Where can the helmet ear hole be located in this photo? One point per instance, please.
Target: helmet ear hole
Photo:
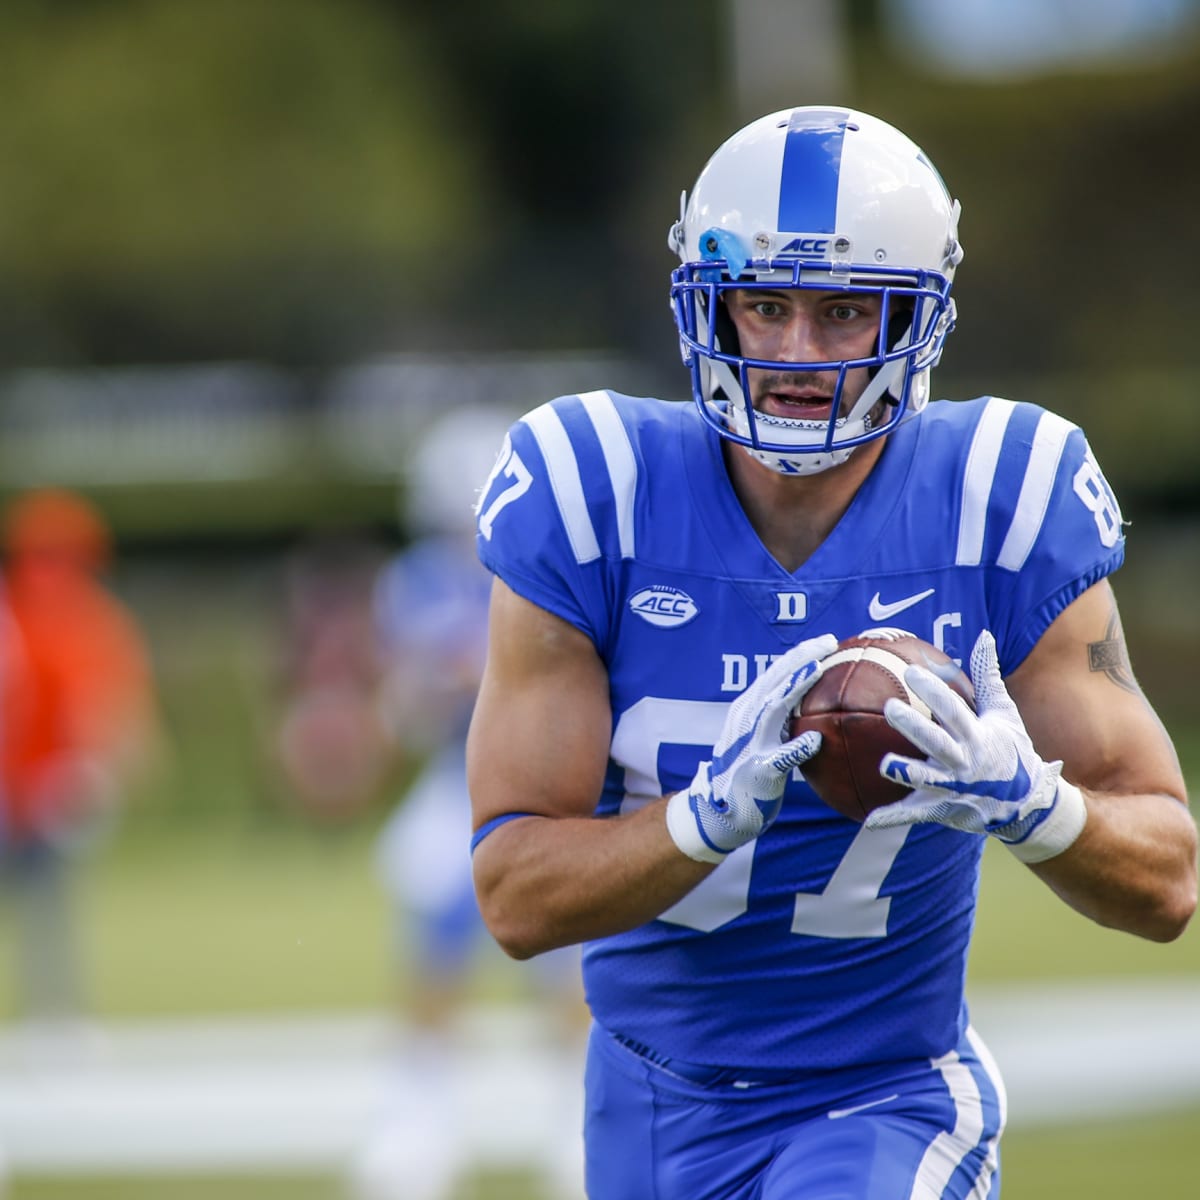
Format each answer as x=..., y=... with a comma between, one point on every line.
x=727, y=334
x=899, y=323
x=727, y=343
x=899, y=329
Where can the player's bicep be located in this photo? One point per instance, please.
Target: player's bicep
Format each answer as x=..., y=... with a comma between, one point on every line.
x=1081, y=703
x=541, y=730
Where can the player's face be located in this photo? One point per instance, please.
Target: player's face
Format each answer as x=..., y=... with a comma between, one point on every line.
x=804, y=326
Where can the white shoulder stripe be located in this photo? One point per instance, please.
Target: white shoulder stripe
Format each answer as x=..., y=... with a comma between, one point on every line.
x=978, y=479
x=565, y=482
x=620, y=460
x=1048, y=441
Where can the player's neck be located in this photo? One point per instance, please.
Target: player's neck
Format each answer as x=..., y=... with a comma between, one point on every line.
x=794, y=514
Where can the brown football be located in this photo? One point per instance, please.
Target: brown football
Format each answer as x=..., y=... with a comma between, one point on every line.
x=846, y=707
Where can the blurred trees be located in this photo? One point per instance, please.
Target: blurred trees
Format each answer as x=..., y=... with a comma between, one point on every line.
x=307, y=181
x=231, y=178
x=301, y=179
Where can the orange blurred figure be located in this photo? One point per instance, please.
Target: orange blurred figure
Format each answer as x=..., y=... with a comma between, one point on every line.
x=78, y=717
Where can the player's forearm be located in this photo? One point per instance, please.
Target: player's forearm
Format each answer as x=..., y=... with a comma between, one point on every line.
x=1132, y=868
x=546, y=882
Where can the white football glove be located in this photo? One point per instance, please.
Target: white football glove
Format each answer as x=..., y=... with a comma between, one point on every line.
x=733, y=798
x=982, y=774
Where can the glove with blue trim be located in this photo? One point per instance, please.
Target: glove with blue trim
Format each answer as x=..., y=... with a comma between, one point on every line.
x=737, y=795
x=982, y=774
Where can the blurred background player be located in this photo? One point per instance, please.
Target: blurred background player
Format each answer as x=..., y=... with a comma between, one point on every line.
x=431, y=606
x=79, y=725
x=330, y=743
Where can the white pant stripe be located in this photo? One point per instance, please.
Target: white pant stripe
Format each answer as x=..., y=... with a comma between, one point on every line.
x=983, y=1183
x=947, y=1151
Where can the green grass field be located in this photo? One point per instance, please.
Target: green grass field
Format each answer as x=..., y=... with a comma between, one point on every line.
x=253, y=1187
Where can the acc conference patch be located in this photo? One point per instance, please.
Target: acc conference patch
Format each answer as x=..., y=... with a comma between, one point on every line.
x=666, y=607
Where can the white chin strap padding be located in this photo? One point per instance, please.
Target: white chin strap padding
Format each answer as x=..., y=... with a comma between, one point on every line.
x=807, y=463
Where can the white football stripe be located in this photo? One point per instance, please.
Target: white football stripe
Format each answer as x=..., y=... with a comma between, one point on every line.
x=983, y=1182
x=565, y=481
x=620, y=460
x=1049, y=439
x=948, y=1149
x=978, y=478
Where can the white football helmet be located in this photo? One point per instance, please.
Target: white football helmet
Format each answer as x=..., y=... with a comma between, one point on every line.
x=820, y=199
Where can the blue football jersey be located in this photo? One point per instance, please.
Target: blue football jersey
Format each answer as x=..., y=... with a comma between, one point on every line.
x=617, y=514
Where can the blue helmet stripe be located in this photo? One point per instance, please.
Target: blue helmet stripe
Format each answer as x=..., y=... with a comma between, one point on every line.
x=812, y=160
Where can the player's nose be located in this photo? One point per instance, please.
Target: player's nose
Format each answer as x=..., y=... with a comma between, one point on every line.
x=800, y=339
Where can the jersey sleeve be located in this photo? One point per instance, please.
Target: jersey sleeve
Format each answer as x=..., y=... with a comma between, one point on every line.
x=545, y=515
x=1063, y=531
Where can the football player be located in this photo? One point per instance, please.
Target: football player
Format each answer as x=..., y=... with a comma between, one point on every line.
x=777, y=991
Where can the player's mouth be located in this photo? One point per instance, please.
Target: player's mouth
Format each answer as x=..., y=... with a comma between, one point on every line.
x=807, y=404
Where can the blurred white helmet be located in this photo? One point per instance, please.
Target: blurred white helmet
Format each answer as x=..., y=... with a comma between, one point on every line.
x=823, y=199
x=449, y=466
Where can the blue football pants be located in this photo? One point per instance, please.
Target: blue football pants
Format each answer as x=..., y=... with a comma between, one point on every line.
x=927, y=1130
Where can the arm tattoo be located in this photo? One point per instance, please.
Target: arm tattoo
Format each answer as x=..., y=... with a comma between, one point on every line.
x=1111, y=656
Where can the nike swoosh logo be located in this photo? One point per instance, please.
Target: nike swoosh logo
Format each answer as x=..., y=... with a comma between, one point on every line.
x=836, y=1114
x=881, y=612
